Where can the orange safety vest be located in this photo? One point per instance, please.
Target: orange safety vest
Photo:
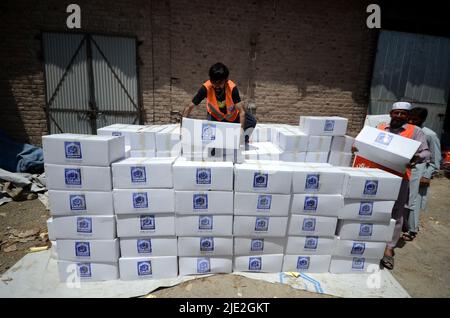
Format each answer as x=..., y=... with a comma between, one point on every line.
x=407, y=133
x=213, y=107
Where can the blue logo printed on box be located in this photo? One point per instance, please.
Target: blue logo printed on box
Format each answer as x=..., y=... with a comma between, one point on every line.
x=138, y=175
x=311, y=242
x=116, y=133
x=257, y=245
x=208, y=131
x=200, y=201
x=264, y=202
x=205, y=222
x=73, y=149
x=206, y=244
x=262, y=224
x=72, y=176
x=82, y=249
x=329, y=125
x=384, y=138
x=312, y=181
x=144, y=268
x=203, y=265
x=260, y=180
x=311, y=204
x=147, y=222
x=309, y=224
x=84, y=270
x=371, y=187
x=77, y=202
x=365, y=229
x=358, y=262
x=254, y=264
x=140, y=200
x=358, y=248
x=84, y=225
x=144, y=246
x=366, y=208
x=203, y=176
x=303, y=262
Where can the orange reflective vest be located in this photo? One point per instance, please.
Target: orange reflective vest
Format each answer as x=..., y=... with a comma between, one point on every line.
x=213, y=107
x=407, y=133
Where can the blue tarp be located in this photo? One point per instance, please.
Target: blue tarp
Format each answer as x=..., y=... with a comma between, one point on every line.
x=17, y=157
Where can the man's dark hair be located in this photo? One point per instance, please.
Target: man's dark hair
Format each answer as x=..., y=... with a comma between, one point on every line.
x=218, y=72
x=420, y=112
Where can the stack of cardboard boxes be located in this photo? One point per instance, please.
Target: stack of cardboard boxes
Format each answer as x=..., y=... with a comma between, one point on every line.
x=144, y=205
x=204, y=216
x=83, y=224
x=261, y=208
x=365, y=223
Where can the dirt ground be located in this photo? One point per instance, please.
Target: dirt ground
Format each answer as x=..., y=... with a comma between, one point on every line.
x=422, y=266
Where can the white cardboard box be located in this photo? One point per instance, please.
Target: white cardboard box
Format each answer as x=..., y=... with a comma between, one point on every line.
x=144, y=138
x=220, y=155
x=148, y=246
x=205, y=246
x=292, y=140
x=119, y=130
x=93, y=227
x=365, y=231
x=148, y=153
x=340, y=159
x=133, y=201
x=70, y=271
x=200, y=202
x=87, y=178
x=80, y=202
x=258, y=245
x=196, y=175
x=85, y=150
x=204, y=225
x=168, y=138
x=261, y=204
x=319, y=143
x=374, y=184
x=262, y=177
x=155, y=267
x=142, y=225
x=316, y=157
x=53, y=250
x=342, y=143
x=205, y=265
x=366, y=210
x=306, y=263
x=346, y=265
x=293, y=156
x=387, y=149
x=320, y=204
x=260, y=226
x=265, y=263
x=101, y=251
x=143, y=173
x=323, y=126
x=318, y=180
x=350, y=248
x=310, y=245
x=308, y=225
x=262, y=132
x=51, y=230
x=213, y=134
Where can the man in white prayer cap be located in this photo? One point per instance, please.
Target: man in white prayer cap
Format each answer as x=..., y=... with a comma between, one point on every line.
x=399, y=125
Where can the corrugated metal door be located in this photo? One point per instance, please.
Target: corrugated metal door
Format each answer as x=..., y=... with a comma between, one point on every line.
x=415, y=68
x=91, y=81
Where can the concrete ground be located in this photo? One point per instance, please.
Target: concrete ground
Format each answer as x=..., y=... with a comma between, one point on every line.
x=422, y=266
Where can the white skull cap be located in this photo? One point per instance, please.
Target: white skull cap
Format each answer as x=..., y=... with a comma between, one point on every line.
x=401, y=105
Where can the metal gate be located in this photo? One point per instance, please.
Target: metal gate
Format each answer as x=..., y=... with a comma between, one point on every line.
x=91, y=82
x=414, y=68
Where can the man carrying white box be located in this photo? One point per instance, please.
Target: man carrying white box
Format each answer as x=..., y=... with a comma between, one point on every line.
x=399, y=126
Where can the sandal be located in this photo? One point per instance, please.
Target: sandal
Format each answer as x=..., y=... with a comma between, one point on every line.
x=409, y=236
x=387, y=262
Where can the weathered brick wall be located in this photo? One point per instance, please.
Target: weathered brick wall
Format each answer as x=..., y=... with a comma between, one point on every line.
x=289, y=58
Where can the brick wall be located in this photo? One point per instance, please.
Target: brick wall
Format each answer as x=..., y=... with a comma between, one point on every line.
x=289, y=58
